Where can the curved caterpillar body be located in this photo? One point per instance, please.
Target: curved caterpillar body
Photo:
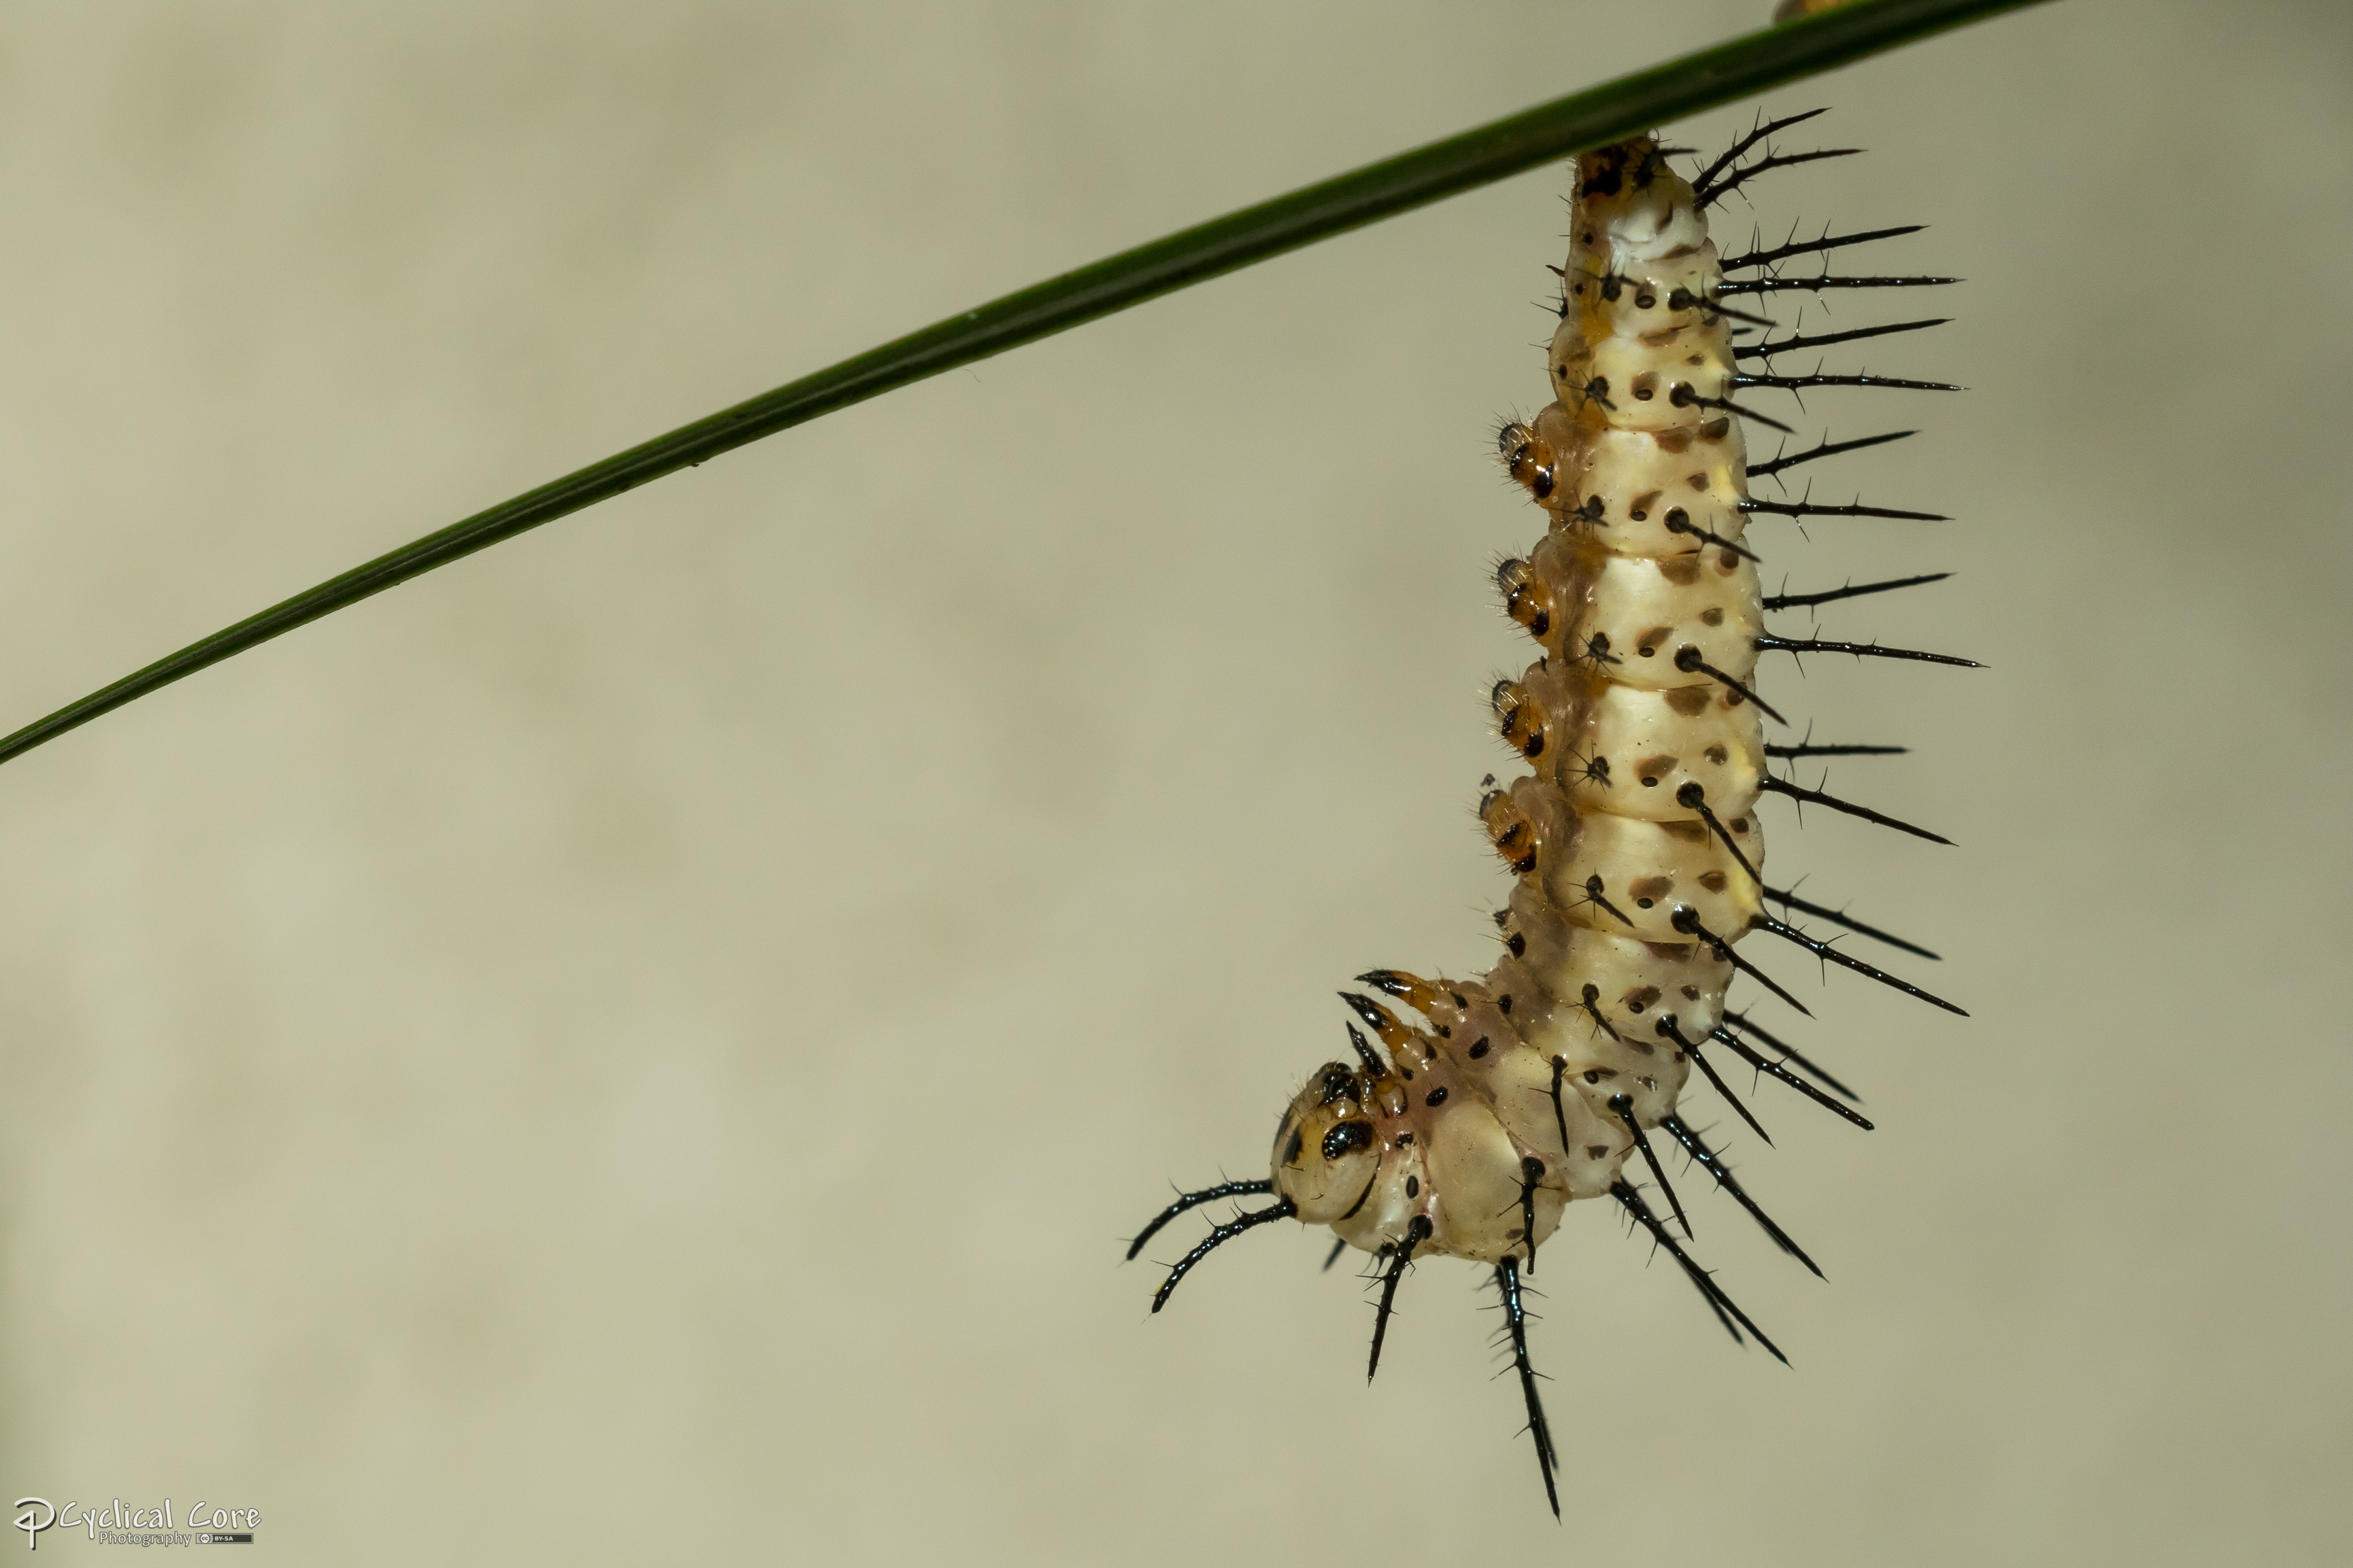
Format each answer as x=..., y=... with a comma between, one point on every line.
x=1494, y=1103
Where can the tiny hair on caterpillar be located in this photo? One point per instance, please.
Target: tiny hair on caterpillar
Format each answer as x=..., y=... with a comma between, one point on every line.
x=1469, y=1114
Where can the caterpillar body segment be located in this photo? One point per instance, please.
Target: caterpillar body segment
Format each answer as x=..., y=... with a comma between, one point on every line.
x=1489, y=1105
x=1629, y=616
x=1600, y=740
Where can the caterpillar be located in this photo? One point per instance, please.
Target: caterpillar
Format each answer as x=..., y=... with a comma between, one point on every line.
x=1472, y=1113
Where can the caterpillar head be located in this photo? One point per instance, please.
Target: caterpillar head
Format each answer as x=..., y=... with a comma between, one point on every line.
x=1326, y=1151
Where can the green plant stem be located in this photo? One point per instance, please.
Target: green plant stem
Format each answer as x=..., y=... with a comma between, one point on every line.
x=1565, y=126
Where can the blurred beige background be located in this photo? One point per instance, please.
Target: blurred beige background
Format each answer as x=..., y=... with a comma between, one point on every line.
x=645, y=1047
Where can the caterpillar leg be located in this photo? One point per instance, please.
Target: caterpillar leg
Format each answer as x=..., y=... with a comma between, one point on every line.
x=1516, y=1323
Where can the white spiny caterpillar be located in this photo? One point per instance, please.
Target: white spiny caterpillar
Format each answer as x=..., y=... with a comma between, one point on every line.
x=1636, y=841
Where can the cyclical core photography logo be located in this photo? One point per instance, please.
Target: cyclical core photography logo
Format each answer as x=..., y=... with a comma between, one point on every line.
x=118, y=1524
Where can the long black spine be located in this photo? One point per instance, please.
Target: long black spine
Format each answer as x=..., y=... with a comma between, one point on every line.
x=1781, y=1074
x=1415, y=1232
x=1258, y=1188
x=1705, y=1283
x=1766, y=351
x=1790, y=1053
x=1219, y=1236
x=1826, y=448
x=1823, y=950
x=1515, y=1323
x=1713, y=1163
x=1792, y=901
x=1847, y=807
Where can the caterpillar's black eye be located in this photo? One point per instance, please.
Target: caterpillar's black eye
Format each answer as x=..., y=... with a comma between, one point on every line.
x=1337, y=1083
x=1347, y=1138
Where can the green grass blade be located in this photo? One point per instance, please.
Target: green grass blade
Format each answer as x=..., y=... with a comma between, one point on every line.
x=1565, y=126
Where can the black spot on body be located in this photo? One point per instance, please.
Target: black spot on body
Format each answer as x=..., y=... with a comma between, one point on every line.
x=1436, y=1096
